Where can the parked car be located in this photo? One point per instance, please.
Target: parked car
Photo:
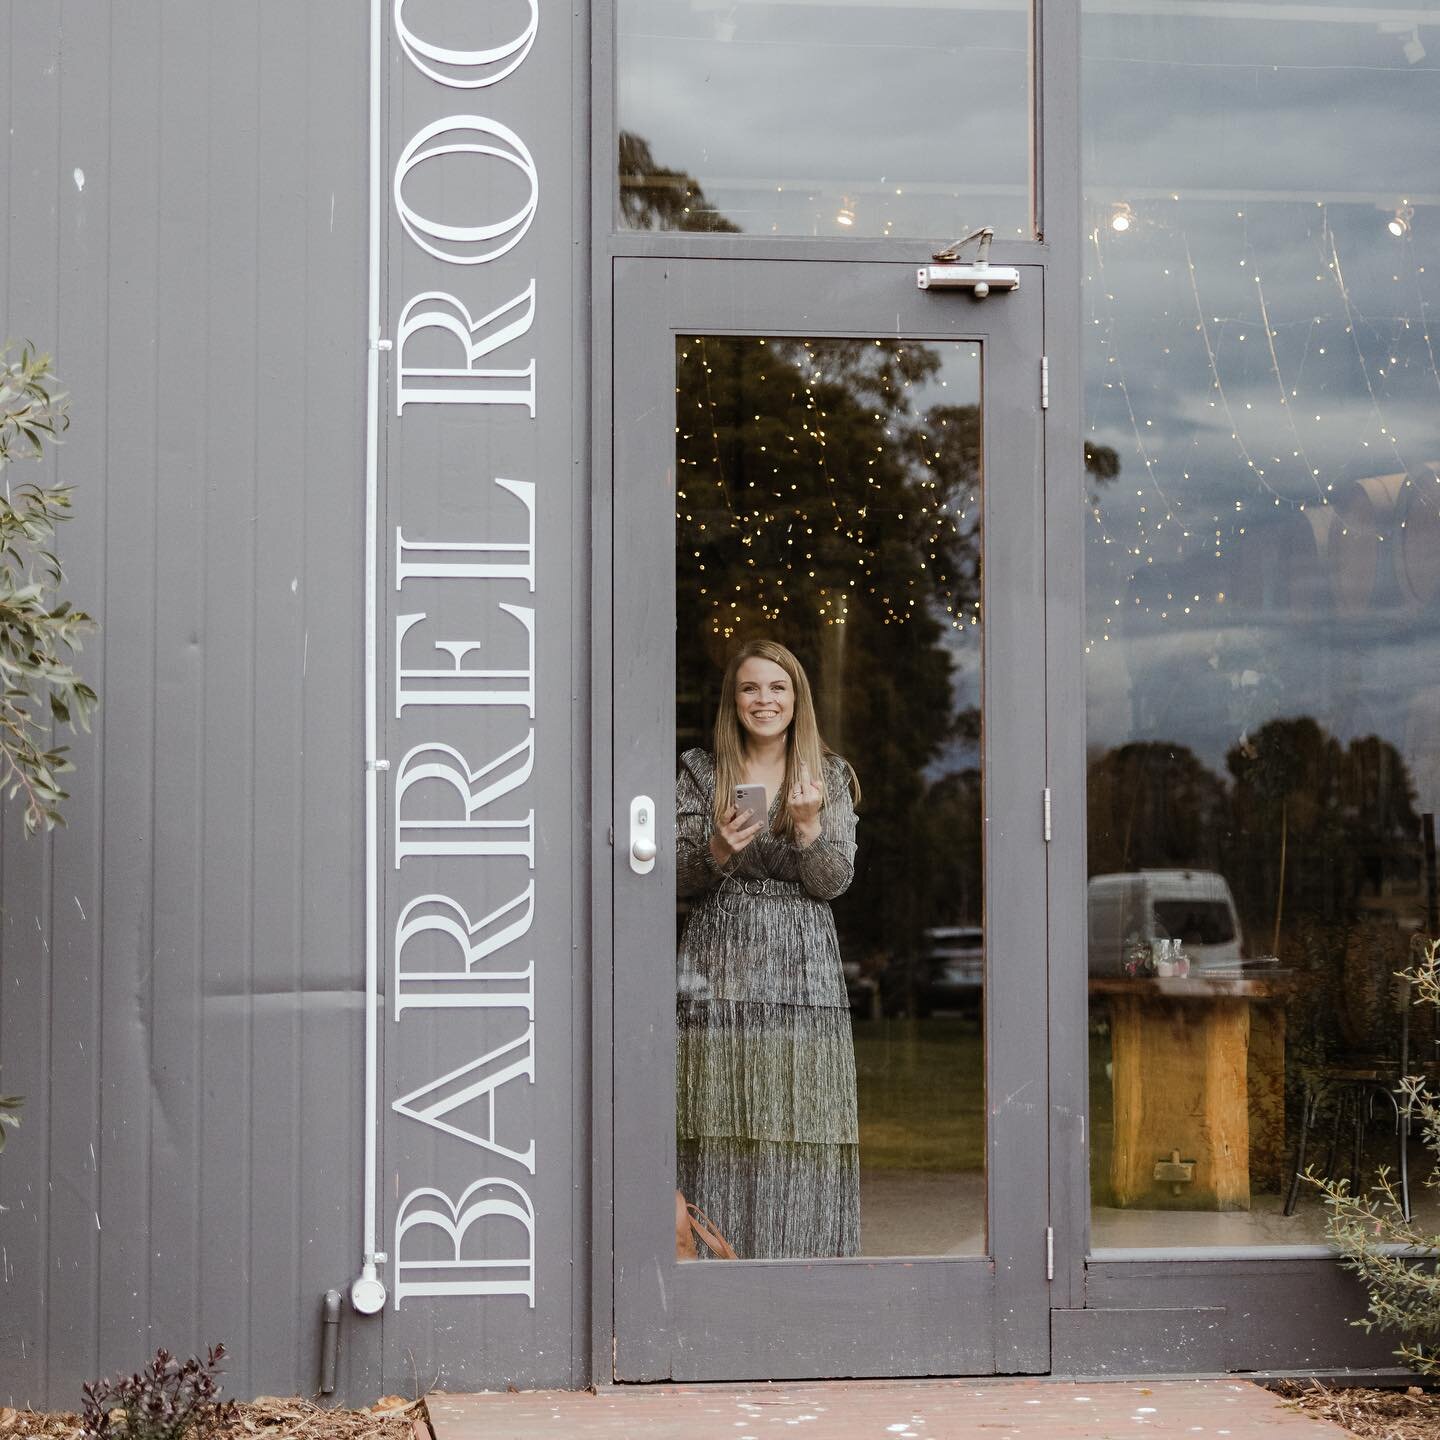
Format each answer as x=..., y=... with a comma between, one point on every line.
x=862, y=989
x=1192, y=906
x=946, y=974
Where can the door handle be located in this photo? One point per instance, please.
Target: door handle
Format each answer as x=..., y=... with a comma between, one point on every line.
x=642, y=835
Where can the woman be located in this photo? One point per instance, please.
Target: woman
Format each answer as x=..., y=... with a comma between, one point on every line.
x=767, y=1137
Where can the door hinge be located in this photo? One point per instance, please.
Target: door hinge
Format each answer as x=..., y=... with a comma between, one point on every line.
x=1049, y=1252
x=1045, y=811
x=1044, y=382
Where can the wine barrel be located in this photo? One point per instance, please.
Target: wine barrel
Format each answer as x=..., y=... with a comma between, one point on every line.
x=1388, y=524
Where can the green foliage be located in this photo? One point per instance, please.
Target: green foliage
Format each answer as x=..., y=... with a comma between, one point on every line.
x=38, y=631
x=169, y=1399
x=1395, y=1258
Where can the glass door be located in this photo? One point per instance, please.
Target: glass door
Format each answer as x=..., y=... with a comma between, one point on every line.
x=829, y=862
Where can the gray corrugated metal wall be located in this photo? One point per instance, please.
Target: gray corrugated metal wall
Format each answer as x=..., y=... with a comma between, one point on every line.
x=182, y=966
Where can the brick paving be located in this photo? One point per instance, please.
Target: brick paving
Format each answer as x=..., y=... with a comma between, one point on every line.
x=883, y=1410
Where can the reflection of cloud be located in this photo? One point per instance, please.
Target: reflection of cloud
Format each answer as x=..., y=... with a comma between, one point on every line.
x=877, y=93
x=1246, y=104
x=1316, y=615
x=1202, y=687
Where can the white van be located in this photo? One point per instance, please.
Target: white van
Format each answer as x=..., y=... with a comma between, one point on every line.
x=1192, y=906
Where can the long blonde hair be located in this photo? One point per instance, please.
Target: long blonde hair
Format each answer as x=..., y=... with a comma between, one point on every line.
x=803, y=743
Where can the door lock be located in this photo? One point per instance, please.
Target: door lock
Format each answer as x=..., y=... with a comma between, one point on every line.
x=642, y=835
x=979, y=276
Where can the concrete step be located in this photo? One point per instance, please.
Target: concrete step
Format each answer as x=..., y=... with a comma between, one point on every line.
x=882, y=1410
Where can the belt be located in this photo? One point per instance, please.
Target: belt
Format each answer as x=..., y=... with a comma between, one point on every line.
x=756, y=886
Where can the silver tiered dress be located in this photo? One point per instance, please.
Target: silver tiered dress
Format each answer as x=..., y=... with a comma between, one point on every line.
x=766, y=1130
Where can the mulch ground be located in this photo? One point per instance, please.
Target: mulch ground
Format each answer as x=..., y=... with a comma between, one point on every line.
x=1412, y=1414
x=268, y=1417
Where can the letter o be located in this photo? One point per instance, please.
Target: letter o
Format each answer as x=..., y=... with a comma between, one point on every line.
x=471, y=242
x=426, y=56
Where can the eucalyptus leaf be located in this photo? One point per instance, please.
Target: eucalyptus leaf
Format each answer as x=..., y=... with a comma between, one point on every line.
x=39, y=629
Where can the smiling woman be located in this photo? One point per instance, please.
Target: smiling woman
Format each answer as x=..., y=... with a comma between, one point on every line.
x=767, y=1135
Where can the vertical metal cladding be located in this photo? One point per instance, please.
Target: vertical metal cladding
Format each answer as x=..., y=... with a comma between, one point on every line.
x=181, y=965
x=459, y=874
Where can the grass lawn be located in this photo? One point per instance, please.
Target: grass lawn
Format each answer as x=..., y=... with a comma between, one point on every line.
x=922, y=1094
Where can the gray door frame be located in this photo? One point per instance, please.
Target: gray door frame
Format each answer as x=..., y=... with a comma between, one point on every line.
x=788, y=1319
x=1112, y=1314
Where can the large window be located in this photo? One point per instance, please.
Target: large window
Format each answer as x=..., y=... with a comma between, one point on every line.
x=1263, y=600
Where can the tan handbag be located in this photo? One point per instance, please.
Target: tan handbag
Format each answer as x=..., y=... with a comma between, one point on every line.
x=691, y=1224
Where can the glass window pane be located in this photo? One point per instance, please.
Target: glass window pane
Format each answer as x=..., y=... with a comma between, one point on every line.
x=825, y=117
x=830, y=1088
x=1263, y=602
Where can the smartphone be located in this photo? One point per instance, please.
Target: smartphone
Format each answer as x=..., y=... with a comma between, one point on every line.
x=750, y=801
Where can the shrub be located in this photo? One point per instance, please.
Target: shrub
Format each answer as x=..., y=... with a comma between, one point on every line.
x=38, y=630
x=1395, y=1258
x=169, y=1399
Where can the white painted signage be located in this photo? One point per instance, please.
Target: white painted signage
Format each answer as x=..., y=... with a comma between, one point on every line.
x=468, y=949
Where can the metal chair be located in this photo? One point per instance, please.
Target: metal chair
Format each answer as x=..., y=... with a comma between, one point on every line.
x=1355, y=1085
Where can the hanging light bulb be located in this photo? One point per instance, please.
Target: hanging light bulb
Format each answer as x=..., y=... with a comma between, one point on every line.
x=1399, y=223
x=1121, y=217
x=846, y=214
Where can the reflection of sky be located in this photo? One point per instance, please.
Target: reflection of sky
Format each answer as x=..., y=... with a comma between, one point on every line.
x=1257, y=343
x=911, y=119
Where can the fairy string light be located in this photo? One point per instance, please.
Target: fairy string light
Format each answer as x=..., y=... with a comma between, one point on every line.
x=778, y=416
x=1219, y=388
x=1311, y=471
x=1383, y=376
x=1339, y=275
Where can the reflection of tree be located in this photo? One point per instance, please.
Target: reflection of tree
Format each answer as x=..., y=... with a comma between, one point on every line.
x=1308, y=832
x=1318, y=843
x=817, y=507
x=654, y=198
x=1102, y=465
x=1288, y=821
x=1153, y=804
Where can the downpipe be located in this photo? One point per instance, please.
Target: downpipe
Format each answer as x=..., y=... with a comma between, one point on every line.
x=367, y=1291
x=329, y=1341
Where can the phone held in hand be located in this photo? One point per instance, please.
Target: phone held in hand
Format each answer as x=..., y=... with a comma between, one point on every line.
x=750, y=801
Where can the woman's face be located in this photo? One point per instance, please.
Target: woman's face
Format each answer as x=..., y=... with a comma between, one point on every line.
x=764, y=699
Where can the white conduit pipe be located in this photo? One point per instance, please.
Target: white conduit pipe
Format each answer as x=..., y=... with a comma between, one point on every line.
x=367, y=1291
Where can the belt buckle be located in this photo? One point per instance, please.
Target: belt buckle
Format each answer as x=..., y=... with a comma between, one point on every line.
x=753, y=886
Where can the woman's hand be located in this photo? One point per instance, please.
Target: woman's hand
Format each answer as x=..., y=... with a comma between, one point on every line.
x=805, y=801
x=732, y=835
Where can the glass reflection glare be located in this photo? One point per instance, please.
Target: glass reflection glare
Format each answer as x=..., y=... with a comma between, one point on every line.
x=1263, y=604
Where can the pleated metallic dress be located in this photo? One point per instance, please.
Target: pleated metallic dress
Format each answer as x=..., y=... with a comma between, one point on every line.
x=766, y=1129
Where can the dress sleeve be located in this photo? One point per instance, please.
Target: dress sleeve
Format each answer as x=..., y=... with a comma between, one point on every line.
x=695, y=867
x=827, y=864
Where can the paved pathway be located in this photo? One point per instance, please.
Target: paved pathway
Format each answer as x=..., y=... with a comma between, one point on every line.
x=882, y=1410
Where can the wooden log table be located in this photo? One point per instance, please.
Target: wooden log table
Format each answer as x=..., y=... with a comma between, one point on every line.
x=1198, y=1081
